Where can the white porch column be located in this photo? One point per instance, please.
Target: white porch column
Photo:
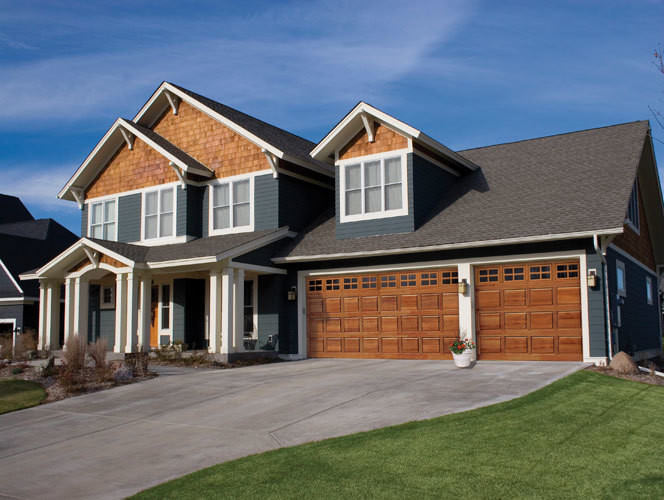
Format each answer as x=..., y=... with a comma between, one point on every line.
x=81, y=301
x=42, y=315
x=145, y=315
x=467, y=305
x=53, y=315
x=120, y=313
x=132, y=312
x=215, y=311
x=238, y=316
x=68, y=327
x=227, y=310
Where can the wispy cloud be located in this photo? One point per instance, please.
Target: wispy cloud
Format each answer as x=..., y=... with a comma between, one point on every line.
x=38, y=185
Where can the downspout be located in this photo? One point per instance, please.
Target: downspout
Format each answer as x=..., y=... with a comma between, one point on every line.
x=609, y=329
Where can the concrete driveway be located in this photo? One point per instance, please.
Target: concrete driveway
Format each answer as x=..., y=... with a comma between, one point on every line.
x=114, y=443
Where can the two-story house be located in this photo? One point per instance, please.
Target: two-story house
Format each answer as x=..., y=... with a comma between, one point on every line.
x=204, y=225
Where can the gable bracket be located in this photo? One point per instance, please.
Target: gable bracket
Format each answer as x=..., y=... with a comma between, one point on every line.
x=128, y=137
x=92, y=255
x=368, y=126
x=174, y=101
x=178, y=172
x=273, y=161
x=77, y=193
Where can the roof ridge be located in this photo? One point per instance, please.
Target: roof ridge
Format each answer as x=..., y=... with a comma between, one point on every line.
x=196, y=95
x=552, y=135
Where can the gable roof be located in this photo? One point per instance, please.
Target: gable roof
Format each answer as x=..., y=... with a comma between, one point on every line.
x=356, y=119
x=12, y=209
x=275, y=140
x=111, y=143
x=562, y=186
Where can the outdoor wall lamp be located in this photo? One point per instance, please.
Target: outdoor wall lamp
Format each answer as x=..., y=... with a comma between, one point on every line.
x=592, y=278
x=463, y=286
x=292, y=293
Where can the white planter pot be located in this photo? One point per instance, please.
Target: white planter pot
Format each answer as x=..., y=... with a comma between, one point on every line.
x=463, y=360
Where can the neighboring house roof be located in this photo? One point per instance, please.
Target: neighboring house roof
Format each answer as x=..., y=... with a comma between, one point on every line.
x=24, y=245
x=557, y=186
x=12, y=209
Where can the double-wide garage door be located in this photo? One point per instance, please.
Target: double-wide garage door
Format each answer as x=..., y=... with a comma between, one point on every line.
x=405, y=314
x=524, y=311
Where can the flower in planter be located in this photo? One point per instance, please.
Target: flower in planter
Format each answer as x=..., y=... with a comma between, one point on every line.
x=461, y=346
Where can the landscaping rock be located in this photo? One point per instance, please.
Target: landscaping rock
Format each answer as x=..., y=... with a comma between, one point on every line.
x=623, y=363
x=123, y=374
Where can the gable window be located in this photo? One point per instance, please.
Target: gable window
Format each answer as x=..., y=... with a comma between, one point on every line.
x=649, y=294
x=633, y=209
x=102, y=220
x=373, y=188
x=159, y=214
x=231, y=206
x=621, y=279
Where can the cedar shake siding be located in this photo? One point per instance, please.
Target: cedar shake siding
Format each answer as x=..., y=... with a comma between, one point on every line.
x=385, y=139
x=638, y=245
x=138, y=168
x=211, y=143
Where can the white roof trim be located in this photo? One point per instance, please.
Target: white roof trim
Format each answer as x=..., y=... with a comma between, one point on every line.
x=449, y=246
x=362, y=109
x=165, y=86
x=123, y=124
x=2, y=265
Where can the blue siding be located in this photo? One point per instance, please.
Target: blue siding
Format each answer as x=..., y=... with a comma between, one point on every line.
x=179, y=303
x=640, y=321
x=107, y=326
x=597, y=309
x=7, y=287
x=301, y=202
x=12, y=312
x=129, y=218
x=388, y=225
x=181, y=211
x=93, y=313
x=429, y=181
x=84, y=221
x=271, y=293
x=266, y=202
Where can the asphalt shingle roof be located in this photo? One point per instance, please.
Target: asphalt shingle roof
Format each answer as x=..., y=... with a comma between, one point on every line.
x=202, y=247
x=579, y=181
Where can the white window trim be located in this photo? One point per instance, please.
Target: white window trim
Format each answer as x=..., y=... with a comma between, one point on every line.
x=106, y=305
x=160, y=239
x=102, y=200
x=650, y=296
x=230, y=180
x=621, y=265
x=161, y=329
x=341, y=164
x=632, y=225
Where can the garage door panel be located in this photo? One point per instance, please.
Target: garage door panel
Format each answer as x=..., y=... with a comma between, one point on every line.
x=404, y=314
x=538, y=315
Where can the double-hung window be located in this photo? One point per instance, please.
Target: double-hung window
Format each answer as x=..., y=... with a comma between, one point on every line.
x=102, y=220
x=231, y=206
x=373, y=188
x=159, y=213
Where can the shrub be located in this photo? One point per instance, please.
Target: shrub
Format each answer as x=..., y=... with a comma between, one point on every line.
x=73, y=363
x=97, y=352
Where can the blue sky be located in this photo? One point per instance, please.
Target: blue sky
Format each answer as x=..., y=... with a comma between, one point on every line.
x=468, y=73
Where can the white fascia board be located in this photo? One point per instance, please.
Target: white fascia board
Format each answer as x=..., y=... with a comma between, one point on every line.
x=229, y=254
x=16, y=285
x=256, y=268
x=187, y=168
x=79, y=245
x=449, y=246
x=433, y=143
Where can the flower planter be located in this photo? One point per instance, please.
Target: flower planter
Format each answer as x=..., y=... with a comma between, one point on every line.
x=463, y=360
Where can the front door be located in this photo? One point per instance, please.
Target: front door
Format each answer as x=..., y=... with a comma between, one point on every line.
x=154, y=317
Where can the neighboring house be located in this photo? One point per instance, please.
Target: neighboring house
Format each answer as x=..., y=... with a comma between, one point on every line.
x=206, y=226
x=25, y=243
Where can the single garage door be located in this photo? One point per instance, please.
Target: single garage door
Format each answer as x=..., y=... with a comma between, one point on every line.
x=404, y=314
x=529, y=311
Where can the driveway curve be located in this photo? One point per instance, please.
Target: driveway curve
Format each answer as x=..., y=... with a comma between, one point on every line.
x=115, y=443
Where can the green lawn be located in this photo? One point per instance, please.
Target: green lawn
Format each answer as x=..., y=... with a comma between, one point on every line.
x=587, y=435
x=19, y=394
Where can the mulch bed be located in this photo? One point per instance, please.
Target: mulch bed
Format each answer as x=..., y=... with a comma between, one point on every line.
x=643, y=377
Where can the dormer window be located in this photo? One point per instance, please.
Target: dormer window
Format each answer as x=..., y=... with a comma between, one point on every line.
x=373, y=187
x=633, y=209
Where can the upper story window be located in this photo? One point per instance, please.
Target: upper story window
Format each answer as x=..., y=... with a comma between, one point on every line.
x=373, y=187
x=231, y=206
x=159, y=213
x=633, y=209
x=102, y=220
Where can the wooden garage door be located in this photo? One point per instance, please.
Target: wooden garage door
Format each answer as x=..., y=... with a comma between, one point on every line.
x=404, y=314
x=529, y=311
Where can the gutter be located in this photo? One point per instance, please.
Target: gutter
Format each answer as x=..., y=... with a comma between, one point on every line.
x=609, y=329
